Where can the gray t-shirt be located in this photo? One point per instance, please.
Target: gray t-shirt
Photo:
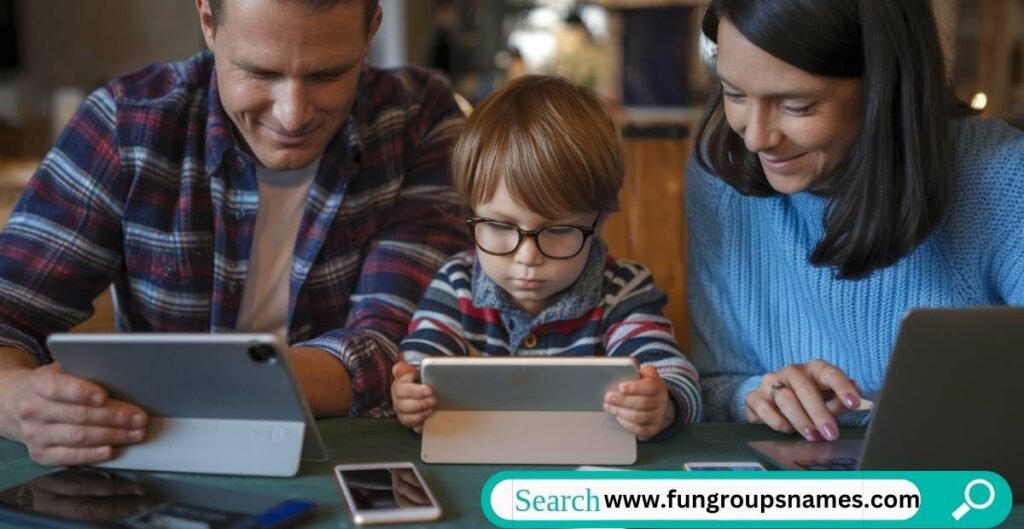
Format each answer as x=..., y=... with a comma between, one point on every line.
x=282, y=201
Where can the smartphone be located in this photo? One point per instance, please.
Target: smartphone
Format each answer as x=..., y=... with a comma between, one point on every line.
x=386, y=493
x=724, y=465
x=88, y=497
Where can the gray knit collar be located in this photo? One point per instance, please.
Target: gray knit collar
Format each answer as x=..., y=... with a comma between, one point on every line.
x=583, y=295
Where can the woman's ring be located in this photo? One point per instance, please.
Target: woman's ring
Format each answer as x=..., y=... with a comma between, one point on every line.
x=775, y=389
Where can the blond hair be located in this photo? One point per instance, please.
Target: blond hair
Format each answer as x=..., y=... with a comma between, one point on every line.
x=551, y=143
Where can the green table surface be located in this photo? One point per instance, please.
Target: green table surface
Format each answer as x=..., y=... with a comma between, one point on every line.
x=457, y=487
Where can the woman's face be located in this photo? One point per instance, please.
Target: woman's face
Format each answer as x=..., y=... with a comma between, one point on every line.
x=801, y=126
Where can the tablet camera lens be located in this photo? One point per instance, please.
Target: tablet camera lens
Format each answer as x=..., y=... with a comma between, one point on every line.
x=263, y=354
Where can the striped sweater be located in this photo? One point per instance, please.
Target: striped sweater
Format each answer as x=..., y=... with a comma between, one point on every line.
x=613, y=309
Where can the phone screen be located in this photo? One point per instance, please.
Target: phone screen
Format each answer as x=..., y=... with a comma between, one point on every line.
x=724, y=466
x=124, y=499
x=386, y=488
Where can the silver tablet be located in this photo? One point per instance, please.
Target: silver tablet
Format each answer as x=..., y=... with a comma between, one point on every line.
x=525, y=411
x=524, y=384
x=218, y=403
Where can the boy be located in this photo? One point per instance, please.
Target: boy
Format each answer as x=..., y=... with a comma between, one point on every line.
x=540, y=166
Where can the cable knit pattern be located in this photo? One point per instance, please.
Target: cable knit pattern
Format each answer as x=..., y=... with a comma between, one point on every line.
x=758, y=305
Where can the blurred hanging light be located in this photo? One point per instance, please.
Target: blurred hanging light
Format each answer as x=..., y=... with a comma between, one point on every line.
x=979, y=101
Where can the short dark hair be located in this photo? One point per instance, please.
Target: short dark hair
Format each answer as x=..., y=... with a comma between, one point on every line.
x=369, y=8
x=896, y=186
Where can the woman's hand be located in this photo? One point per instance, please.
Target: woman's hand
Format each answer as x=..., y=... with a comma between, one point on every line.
x=804, y=397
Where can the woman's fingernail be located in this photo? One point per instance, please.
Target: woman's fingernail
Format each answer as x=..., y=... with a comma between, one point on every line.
x=135, y=435
x=850, y=400
x=829, y=432
x=811, y=435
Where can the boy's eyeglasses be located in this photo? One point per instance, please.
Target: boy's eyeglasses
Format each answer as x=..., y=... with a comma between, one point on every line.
x=555, y=241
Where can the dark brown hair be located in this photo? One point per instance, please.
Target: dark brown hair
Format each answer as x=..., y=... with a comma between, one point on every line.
x=552, y=143
x=369, y=8
x=895, y=188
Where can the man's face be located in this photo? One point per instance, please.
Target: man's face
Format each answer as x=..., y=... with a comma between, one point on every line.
x=287, y=75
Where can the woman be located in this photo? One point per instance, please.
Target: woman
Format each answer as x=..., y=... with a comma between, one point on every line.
x=837, y=185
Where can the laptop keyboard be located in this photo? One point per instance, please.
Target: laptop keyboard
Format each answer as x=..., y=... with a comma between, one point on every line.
x=836, y=463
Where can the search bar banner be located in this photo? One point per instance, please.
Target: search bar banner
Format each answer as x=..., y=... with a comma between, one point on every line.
x=711, y=499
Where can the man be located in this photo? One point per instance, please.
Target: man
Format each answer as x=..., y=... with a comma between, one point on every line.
x=272, y=184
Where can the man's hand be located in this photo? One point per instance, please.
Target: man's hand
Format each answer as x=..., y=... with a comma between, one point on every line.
x=62, y=419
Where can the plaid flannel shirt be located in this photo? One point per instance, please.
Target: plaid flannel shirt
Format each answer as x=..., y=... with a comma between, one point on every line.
x=147, y=190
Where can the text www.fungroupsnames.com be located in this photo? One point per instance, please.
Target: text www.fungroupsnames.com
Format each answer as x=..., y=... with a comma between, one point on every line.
x=711, y=503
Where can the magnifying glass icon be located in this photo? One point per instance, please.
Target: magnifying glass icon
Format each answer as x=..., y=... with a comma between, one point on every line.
x=967, y=505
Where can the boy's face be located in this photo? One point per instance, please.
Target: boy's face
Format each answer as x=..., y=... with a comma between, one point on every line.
x=530, y=277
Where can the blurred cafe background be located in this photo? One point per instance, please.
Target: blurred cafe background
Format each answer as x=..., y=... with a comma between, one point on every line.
x=642, y=55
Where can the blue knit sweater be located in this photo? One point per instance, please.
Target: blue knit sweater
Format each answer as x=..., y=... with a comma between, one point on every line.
x=758, y=305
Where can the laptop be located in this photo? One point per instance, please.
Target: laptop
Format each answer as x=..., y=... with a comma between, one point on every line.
x=539, y=411
x=952, y=400
x=217, y=403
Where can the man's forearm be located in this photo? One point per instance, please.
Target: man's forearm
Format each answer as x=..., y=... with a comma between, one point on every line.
x=323, y=380
x=11, y=358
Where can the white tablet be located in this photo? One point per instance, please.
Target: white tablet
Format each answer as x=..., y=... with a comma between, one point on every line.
x=499, y=410
x=525, y=384
x=218, y=403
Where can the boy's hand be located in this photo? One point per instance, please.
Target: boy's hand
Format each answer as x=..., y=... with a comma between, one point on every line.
x=641, y=406
x=413, y=402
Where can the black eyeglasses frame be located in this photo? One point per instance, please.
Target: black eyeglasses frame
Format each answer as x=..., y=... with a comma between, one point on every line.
x=523, y=234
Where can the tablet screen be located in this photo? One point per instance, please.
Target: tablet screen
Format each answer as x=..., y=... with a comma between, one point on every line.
x=96, y=498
